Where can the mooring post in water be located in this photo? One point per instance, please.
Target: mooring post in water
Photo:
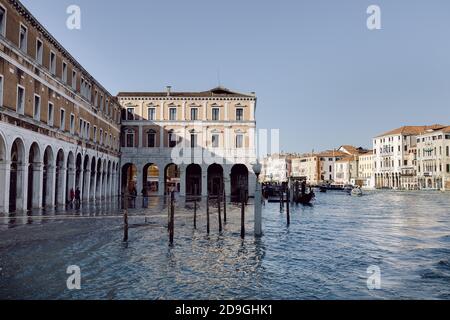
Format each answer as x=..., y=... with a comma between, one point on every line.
x=281, y=200
x=125, y=218
x=242, y=216
x=219, y=213
x=195, y=213
x=172, y=217
x=288, y=217
x=207, y=214
x=224, y=206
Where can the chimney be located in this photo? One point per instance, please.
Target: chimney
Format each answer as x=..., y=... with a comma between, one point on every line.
x=168, y=88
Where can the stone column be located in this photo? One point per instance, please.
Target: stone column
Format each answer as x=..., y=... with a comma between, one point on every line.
x=227, y=104
x=93, y=190
x=22, y=186
x=161, y=181
x=182, y=170
x=51, y=184
x=86, y=184
x=5, y=174
x=99, y=185
x=61, y=186
x=205, y=182
x=38, y=177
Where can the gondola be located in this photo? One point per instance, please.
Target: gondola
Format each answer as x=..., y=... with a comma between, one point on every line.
x=305, y=198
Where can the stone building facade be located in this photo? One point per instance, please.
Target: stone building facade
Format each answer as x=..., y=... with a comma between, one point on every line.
x=59, y=128
x=196, y=143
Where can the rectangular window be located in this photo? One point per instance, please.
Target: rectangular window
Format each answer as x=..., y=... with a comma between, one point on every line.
x=50, y=114
x=193, y=140
x=39, y=51
x=37, y=108
x=101, y=103
x=239, y=141
x=129, y=139
x=52, y=65
x=74, y=80
x=215, y=141
x=173, y=114
x=64, y=72
x=72, y=123
x=130, y=113
x=23, y=38
x=215, y=114
x=2, y=21
x=96, y=99
x=62, y=120
x=95, y=134
x=20, y=108
x=194, y=114
x=1, y=88
x=172, y=140
x=101, y=136
x=151, y=140
x=448, y=168
x=151, y=114
x=88, y=131
x=239, y=114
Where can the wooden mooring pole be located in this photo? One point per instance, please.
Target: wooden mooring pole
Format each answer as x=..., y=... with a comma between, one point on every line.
x=125, y=218
x=219, y=213
x=172, y=217
x=288, y=193
x=207, y=214
x=242, y=216
x=224, y=206
x=195, y=213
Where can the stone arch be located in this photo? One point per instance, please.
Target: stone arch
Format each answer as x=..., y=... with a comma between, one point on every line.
x=239, y=182
x=150, y=178
x=193, y=180
x=129, y=177
x=171, y=178
x=215, y=179
x=17, y=188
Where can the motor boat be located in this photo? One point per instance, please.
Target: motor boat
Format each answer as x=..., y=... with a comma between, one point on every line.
x=356, y=192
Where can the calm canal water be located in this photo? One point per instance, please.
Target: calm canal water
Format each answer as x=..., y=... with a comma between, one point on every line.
x=323, y=254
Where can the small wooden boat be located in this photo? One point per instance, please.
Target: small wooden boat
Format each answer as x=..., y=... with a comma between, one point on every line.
x=305, y=198
x=356, y=192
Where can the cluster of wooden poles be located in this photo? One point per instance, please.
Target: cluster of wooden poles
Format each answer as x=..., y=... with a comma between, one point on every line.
x=221, y=203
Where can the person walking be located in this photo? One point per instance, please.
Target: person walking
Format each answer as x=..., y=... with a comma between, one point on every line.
x=78, y=198
x=71, y=197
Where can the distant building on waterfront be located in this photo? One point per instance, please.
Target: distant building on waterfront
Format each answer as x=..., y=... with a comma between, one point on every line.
x=276, y=168
x=394, y=157
x=59, y=127
x=366, y=177
x=433, y=158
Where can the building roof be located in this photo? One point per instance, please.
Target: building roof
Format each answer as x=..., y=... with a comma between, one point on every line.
x=347, y=159
x=218, y=92
x=332, y=153
x=411, y=130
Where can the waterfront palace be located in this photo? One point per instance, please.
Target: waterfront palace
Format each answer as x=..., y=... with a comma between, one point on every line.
x=62, y=131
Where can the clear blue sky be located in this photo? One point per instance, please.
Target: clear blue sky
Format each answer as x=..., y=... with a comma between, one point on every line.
x=320, y=75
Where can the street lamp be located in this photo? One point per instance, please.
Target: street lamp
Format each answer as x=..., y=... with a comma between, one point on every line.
x=258, y=208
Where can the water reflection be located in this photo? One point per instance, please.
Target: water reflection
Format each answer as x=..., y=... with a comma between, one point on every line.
x=323, y=254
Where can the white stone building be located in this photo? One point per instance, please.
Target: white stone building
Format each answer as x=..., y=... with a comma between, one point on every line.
x=433, y=159
x=276, y=168
x=394, y=157
x=194, y=142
